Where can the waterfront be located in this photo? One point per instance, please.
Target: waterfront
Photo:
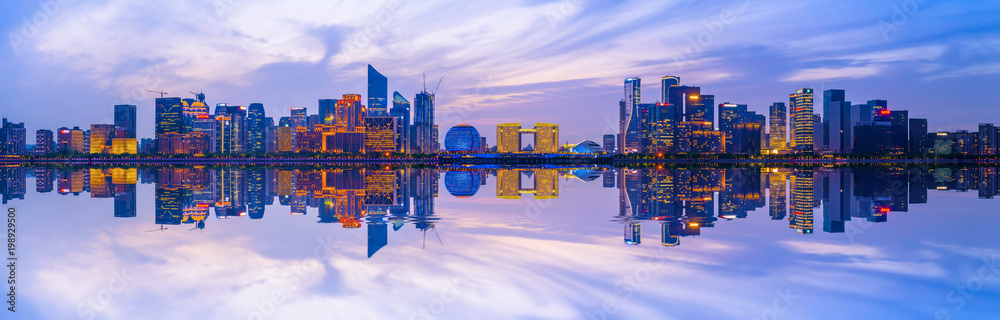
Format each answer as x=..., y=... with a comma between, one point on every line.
x=526, y=242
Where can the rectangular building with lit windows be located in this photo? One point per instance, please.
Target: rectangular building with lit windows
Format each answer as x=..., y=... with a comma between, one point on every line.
x=801, y=104
x=380, y=134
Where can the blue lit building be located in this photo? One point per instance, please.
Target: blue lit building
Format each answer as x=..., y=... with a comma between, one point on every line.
x=462, y=138
x=401, y=111
x=378, y=91
x=462, y=184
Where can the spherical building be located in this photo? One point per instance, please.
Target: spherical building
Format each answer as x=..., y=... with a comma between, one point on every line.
x=462, y=184
x=462, y=138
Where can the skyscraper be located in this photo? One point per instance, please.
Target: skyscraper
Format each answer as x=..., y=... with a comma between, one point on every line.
x=987, y=139
x=377, y=93
x=609, y=143
x=509, y=138
x=298, y=117
x=835, y=113
x=101, y=137
x=919, y=143
x=423, y=123
x=401, y=111
x=44, y=143
x=169, y=116
x=125, y=119
x=801, y=102
x=327, y=110
x=668, y=82
x=235, y=133
x=731, y=115
x=630, y=122
x=546, y=138
x=779, y=126
x=12, y=138
x=255, y=129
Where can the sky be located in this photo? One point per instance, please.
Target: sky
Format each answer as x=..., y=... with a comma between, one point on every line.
x=67, y=62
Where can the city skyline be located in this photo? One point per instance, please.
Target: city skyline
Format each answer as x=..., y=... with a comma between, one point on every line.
x=932, y=51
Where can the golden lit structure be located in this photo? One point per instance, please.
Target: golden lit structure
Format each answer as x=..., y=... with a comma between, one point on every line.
x=509, y=138
x=124, y=146
x=546, y=138
x=380, y=134
x=99, y=134
x=285, y=136
x=546, y=184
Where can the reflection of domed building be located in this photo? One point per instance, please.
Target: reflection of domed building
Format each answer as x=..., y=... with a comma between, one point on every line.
x=462, y=184
x=462, y=138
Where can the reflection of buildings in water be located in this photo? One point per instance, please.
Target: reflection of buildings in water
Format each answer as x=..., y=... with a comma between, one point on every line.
x=510, y=183
x=12, y=183
x=462, y=184
x=801, y=218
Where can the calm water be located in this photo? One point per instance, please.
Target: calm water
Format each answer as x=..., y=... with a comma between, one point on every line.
x=527, y=243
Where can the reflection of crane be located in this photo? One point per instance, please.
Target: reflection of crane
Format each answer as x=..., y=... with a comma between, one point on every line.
x=160, y=229
x=435, y=233
x=160, y=92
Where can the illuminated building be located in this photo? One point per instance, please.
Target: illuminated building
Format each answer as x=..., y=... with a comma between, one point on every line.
x=698, y=137
x=101, y=136
x=308, y=141
x=327, y=110
x=124, y=146
x=462, y=184
x=198, y=143
x=172, y=143
x=170, y=205
x=633, y=236
x=378, y=92
x=509, y=138
x=778, y=116
x=380, y=134
x=255, y=129
x=880, y=110
x=801, y=106
x=206, y=125
x=232, y=132
x=899, y=132
x=401, y=111
x=44, y=178
x=987, y=139
x=125, y=119
x=44, y=142
x=609, y=143
x=746, y=138
x=731, y=115
x=286, y=139
x=423, y=123
x=629, y=120
x=169, y=117
x=546, y=184
x=225, y=129
x=668, y=82
x=298, y=117
x=778, y=205
x=462, y=138
x=508, y=184
x=13, y=139
x=836, y=116
x=584, y=147
x=801, y=218
x=546, y=138
x=919, y=143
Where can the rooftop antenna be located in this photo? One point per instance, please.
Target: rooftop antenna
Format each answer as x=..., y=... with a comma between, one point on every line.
x=160, y=92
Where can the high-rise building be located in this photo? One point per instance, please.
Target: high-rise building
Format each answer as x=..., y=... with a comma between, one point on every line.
x=668, y=82
x=898, y=122
x=629, y=122
x=778, y=129
x=169, y=116
x=125, y=119
x=44, y=142
x=880, y=110
x=70, y=140
x=378, y=91
x=919, y=143
x=298, y=117
x=101, y=138
x=801, y=104
x=401, y=111
x=731, y=115
x=817, y=133
x=609, y=143
x=12, y=138
x=987, y=139
x=701, y=108
x=836, y=112
x=256, y=129
x=546, y=138
x=327, y=110
x=380, y=134
x=423, y=123
x=509, y=138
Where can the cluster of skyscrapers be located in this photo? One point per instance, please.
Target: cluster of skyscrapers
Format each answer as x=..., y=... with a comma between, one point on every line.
x=684, y=121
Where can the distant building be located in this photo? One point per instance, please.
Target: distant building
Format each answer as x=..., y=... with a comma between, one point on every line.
x=778, y=117
x=801, y=106
x=298, y=117
x=169, y=117
x=44, y=142
x=256, y=129
x=401, y=111
x=609, y=143
x=423, y=123
x=919, y=143
x=12, y=139
x=101, y=138
x=125, y=119
x=987, y=139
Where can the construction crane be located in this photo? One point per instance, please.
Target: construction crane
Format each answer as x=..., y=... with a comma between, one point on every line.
x=160, y=92
x=435, y=88
x=199, y=95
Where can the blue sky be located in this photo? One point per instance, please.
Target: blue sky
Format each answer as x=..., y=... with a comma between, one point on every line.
x=66, y=62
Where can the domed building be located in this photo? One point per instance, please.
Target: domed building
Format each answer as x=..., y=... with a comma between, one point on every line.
x=462, y=138
x=462, y=184
x=584, y=147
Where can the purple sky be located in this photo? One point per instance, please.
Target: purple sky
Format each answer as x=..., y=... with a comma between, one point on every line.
x=66, y=64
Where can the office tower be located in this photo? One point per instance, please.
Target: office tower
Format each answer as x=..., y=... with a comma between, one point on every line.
x=629, y=122
x=801, y=104
x=880, y=110
x=509, y=138
x=609, y=143
x=169, y=116
x=327, y=110
x=44, y=142
x=380, y=134
x=101, y=136
x=298, y=117
x=255, y=129
x=835, y=116
x=987, y=139
x=270, y=135
x=817, y=132
x=286, y=140
x=778, y=126
x=232, y=128
x=423, y=123
x=378, y=91
x=312, y=141
x=746, y=137
x=898, y=121
x=12, y=138
x=204, y=128
x=401, y=111
x=125, y=119
x=731, y=115
x=434, y=138
x=702, y=109
x=918, y=136
x=668, y=82
x=546, y=138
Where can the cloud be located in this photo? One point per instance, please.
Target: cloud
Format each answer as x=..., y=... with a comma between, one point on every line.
x=828, y=73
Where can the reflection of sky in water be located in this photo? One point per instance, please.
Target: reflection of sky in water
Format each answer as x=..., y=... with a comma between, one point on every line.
x=561, y=258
